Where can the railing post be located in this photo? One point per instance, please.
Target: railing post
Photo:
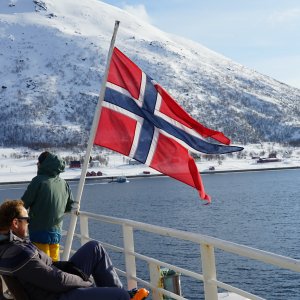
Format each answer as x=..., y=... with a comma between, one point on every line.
x=209, y=272
x=129, y=258
x=155, y=280
x=84, y=229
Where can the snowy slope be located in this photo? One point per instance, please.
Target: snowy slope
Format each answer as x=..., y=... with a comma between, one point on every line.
x=53, y=55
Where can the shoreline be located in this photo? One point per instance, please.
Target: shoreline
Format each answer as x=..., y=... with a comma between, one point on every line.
x=250, y=170
x=111, y=177
x=19, y=165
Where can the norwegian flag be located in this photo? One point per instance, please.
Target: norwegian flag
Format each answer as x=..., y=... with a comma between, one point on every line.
x=141, y=120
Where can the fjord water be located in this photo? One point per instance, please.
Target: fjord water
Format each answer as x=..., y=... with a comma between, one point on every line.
x=257, y=209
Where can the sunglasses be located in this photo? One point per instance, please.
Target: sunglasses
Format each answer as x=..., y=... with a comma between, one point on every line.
x=24, y=218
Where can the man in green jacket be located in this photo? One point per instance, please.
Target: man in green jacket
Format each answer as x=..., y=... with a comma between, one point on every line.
x=48, y=197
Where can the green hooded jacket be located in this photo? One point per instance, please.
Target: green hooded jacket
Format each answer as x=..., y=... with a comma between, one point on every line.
x=48, y=197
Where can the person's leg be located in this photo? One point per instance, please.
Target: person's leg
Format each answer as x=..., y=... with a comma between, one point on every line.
x=54, y=251
x=92, y=259
x=43, y=247
x=96, y=293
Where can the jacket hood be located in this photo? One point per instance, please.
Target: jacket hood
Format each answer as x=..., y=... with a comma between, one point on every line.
x=51, y=166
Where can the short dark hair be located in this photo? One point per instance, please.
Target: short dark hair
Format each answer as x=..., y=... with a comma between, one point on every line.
x=43, y=156
x=9, y=210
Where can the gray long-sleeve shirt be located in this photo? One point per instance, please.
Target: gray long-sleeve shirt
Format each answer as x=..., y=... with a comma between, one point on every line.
x=34, y=270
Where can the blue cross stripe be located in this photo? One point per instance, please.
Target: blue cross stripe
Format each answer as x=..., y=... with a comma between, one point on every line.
x=151, y=121
x=147, y=131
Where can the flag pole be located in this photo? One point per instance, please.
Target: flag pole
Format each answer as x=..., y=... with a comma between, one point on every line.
x=75, y=212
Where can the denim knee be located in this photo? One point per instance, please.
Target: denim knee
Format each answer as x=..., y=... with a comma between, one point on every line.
x=92, y=246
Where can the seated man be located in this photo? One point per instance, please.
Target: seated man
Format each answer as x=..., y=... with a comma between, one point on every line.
x=43, y=279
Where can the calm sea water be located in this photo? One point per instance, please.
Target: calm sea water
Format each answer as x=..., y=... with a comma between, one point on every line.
x=258, y=209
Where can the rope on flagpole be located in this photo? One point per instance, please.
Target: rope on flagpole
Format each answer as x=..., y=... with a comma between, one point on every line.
x=75, y=212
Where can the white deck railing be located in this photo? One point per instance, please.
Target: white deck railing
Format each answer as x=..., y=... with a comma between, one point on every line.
x=207, y=247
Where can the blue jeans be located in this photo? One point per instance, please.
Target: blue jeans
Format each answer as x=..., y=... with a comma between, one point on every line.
x=93, y=260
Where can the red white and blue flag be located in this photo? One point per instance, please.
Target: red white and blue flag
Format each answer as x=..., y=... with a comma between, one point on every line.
x=141, y=120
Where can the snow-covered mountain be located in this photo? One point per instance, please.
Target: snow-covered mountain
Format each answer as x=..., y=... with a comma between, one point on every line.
x=53, y=55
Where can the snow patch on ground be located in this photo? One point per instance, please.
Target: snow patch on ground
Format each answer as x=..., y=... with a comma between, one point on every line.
x=19, y=164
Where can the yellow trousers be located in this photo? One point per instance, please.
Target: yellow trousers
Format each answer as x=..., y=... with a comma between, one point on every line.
x=51, y=250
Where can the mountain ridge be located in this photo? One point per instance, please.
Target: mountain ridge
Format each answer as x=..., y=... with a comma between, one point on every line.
x=54, y=57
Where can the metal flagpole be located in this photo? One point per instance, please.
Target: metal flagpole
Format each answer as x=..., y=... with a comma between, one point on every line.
x=75, y=212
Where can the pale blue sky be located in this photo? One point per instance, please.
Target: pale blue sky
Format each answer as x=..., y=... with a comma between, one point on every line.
x=260, y=34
